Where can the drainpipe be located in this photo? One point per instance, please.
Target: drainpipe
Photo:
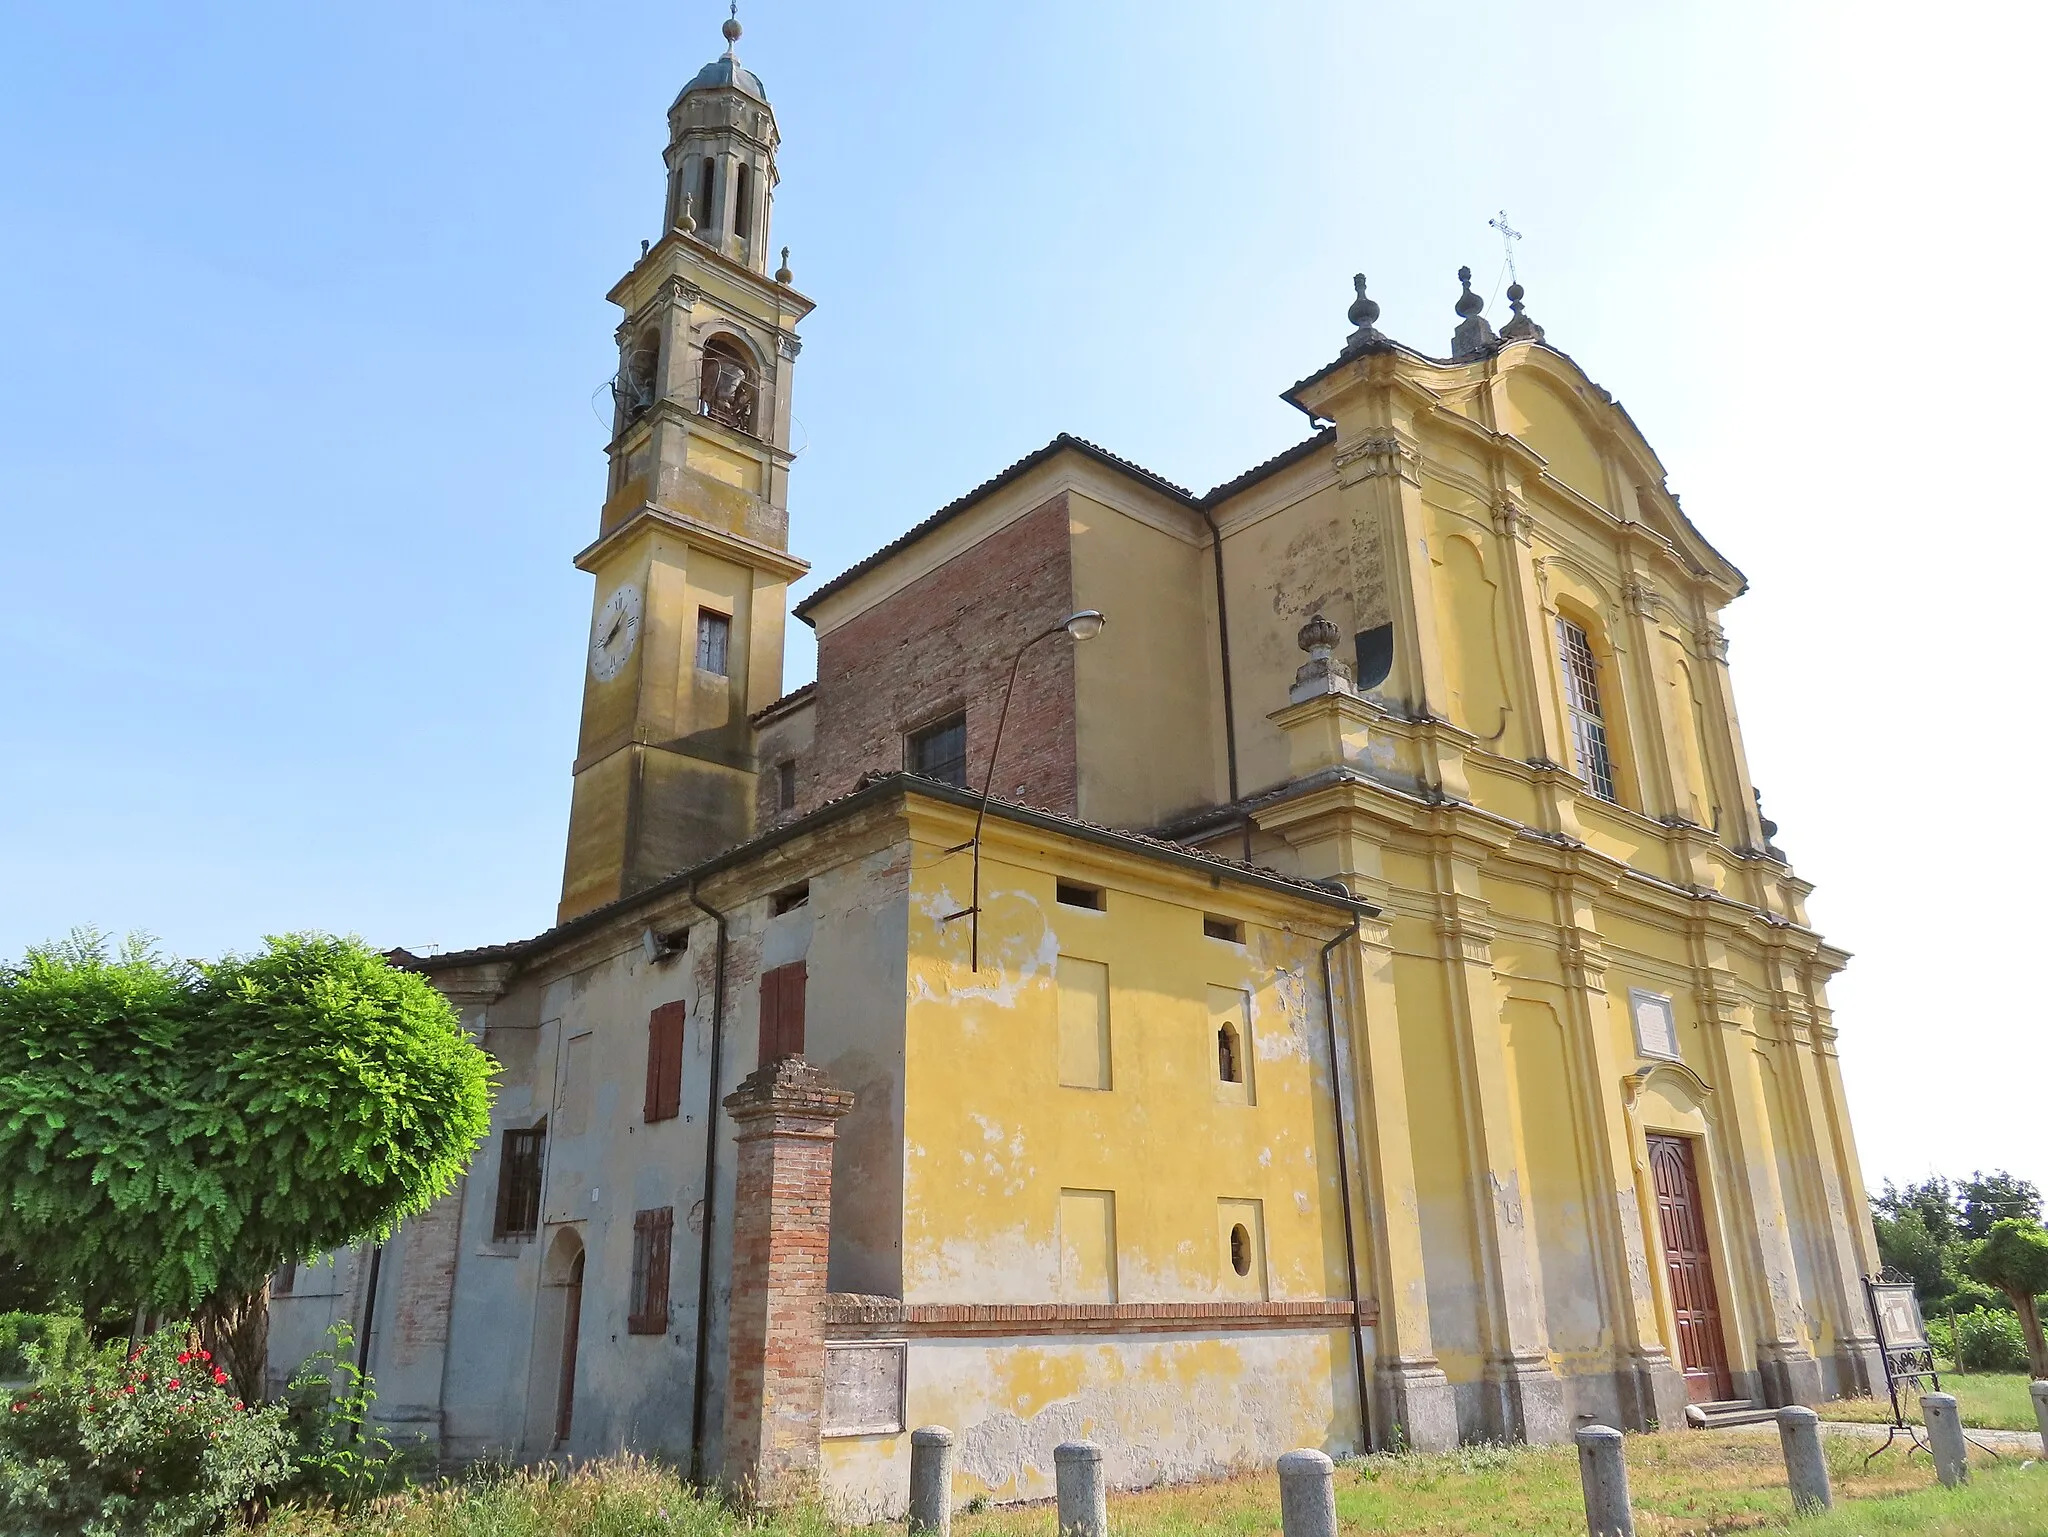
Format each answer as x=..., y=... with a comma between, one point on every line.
x=1223, y=646
x=710, y=1170
x=369, y=1322
x=1344, y=1179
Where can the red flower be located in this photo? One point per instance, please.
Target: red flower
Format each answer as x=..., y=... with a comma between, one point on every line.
x=206, y=1355
x=172, y=1383
x=184, y=1356
x=219, y=1377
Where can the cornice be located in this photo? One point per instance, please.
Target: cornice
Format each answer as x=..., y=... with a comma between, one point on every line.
x=746, y=552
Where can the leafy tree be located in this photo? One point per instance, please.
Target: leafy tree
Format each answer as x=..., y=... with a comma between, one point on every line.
x=171, y=1132
x=2014, y=1258
x=1988, y=1198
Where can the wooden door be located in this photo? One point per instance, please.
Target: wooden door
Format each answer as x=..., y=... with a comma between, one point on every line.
x=572, y=1320
x=1681, y=1221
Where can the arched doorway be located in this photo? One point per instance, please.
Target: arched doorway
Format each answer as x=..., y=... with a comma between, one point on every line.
x=557, y=1321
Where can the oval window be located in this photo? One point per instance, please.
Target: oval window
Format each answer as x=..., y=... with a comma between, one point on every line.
x=1240, y=1250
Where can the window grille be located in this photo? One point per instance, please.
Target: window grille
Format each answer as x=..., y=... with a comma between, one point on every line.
x=939, y=751
x=1582, y=703
x=519, y=1183
x=653, y=1232
x=714, y=641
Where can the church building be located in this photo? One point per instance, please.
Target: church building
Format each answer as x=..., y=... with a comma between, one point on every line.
x=1296, y=964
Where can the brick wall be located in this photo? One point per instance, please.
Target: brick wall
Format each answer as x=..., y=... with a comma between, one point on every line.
x=944, y=643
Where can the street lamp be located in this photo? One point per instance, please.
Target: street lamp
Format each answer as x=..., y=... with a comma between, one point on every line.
x=1085, y=625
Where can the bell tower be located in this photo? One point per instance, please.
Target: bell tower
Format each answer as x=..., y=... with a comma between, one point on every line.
x=691, y=559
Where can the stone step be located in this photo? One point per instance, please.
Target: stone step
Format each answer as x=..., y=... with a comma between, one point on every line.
x=1728, y=1411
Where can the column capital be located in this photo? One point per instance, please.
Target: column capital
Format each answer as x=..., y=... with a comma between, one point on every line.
x=787, y=1097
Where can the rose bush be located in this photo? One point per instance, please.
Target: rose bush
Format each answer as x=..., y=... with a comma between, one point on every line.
x=156, y=1445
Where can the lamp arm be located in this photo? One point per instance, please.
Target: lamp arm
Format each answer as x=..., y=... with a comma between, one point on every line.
x=988, y=780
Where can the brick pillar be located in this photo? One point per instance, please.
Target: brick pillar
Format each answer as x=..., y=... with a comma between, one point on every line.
x=782, y=1220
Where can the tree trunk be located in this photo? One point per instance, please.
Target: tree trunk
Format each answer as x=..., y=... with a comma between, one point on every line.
x=237, y=1330
x=2030, y=1325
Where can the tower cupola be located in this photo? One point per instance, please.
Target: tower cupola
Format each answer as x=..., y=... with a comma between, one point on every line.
x=721, y=158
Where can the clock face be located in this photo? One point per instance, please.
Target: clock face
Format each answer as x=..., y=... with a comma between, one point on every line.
x=613, y=633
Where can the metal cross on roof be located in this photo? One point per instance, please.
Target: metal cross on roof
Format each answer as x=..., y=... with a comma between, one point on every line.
x=1508, y=236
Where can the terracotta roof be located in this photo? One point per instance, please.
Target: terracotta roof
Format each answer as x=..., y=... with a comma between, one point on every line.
x=794, y=699
x=1272, y=466
x=1031, y=461
x=870, y=789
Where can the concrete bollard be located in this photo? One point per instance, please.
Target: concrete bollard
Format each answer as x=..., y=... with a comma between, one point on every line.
x=1308, y=1494
x=931, y=1480
x=1604, y=1477
x=2040, y=1392
x=1945, y=1437
x=1084, y=1511
x=1806, y=1465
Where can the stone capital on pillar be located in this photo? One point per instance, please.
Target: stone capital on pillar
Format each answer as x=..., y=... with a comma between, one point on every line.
x=787, y=1112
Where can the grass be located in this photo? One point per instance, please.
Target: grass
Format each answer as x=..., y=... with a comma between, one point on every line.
x=1985, y=1400
x=1685, y=1484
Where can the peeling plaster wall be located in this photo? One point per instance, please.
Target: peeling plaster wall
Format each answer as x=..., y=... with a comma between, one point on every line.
x=1164, y=1408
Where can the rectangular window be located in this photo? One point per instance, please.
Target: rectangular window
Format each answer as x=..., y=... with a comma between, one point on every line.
x=1582, y=703
x=653, y=1232
x=707, y=173
x=782, y=1012
x=282, y=1280
x=1656, y=1025
x=785, y=785
x=1074, y=894
x=789, y=899
x=1084, y=1023
x=519, y=1159
x=743, y=200
x=1228, y=929
x=1087, y=1246
x=939, y=751
x=714, y=638
x=664, y=1063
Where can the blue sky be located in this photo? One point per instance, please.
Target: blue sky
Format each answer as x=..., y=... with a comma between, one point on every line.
x=302, y=310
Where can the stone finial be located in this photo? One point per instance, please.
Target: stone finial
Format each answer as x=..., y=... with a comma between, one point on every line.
x=686, y=219
x=1520, y=328
x=1363, y=315
x=731, y=28
x=782, y=273
x=1322, y=673
x=1474, y=337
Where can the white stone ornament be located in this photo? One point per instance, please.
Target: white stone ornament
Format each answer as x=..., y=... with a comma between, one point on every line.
x=614, y=632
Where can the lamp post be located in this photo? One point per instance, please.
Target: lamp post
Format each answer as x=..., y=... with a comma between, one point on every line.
x=1085, y=625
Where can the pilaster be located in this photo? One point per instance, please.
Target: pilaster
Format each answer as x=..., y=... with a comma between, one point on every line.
x=786, y=1113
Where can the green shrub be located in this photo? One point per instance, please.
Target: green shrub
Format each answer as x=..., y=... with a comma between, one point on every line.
x=59, y=1342
x=1990, y=1341
x=343, y=1458
x=153, y=1446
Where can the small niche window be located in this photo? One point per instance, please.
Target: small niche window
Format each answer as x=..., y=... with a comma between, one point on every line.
x=707, y=181
x=1223, y=928
x=1582, y=702
x=725, y=387
x=743, y=201
x=1074, y=894
x=789, y=899
x=939, y=751
x=714, y=642
x=1373, y=655
x=1229, y=1056
x=282, y=1280
x=1241, y=1249
x=519, y=1158
x=785, y=785
x=653, y=1237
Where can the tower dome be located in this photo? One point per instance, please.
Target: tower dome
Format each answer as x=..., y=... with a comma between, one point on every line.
x=726, y=70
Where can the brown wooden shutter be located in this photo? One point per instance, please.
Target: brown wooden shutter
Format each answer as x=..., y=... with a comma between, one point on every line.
x=653, y=1236
x=782, y=1012
x=664, y=1100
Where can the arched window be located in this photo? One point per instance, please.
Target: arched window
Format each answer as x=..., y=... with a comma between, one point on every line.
x=1229, y=1056
x=743, y=200
x=725, y=390
x=707, y=172
x=1581, y=670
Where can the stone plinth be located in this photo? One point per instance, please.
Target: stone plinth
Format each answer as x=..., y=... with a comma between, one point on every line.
x=775, y=1352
